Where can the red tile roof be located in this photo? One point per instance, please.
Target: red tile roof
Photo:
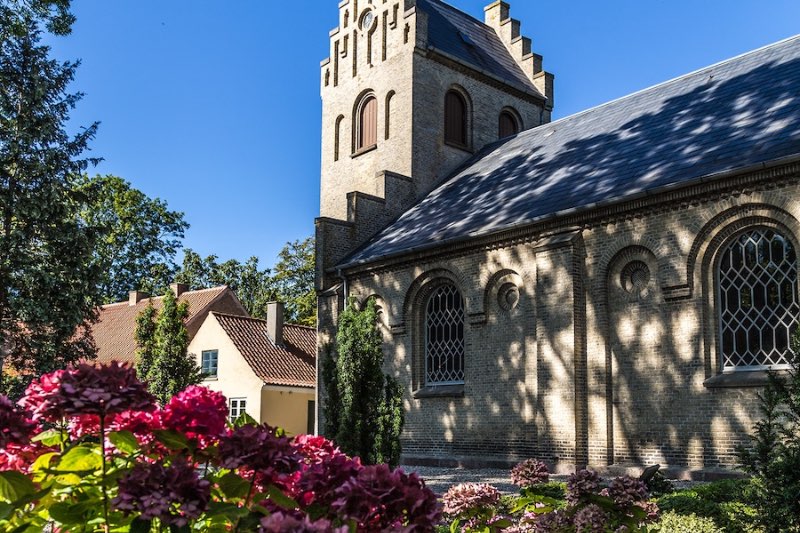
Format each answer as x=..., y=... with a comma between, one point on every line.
x=114, y=331
x=292, y=364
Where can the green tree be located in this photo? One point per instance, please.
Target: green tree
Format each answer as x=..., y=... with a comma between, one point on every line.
x=163, y=340
x=368, y=418
x=774, y=457
x=139, y=236
x=294, y=281
x=47, y=278
x=252, y=285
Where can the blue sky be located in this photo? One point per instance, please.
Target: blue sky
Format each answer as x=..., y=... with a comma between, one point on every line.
x=214, y=106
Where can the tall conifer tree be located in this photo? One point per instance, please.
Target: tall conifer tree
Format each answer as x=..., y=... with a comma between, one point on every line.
x=47, y=279
x=163, y=341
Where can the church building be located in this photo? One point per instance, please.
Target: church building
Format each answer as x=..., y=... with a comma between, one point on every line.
x=605, y=289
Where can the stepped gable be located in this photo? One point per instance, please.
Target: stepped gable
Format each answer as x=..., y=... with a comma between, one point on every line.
x=469, y=40
x=292, y=364
x=739, y=114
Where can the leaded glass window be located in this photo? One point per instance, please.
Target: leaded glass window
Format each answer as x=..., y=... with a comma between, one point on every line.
x=444, y=337
x=758, y=302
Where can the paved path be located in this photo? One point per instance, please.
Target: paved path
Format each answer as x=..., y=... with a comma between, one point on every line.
x=441, y=479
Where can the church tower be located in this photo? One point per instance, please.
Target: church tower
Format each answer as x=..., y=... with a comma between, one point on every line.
x=412, y=89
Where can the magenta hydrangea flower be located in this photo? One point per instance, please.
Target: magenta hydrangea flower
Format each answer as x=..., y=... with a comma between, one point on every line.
x=530, y=472
x=315, y=449
x=197, y=412
x=41, y=397
x=626, y=491
x=381, y=499
x=83, y=426
x=260, y=449
x=87, y=390
x=318, y=481
x=16, y=426
x=281, y=522
x=590, y=519
x=174, y=494
x=464, y=497
x=581, y=484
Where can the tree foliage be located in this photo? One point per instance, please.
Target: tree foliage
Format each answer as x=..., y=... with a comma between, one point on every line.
x=774, y=457
x=139, y=236
x=251, y=284
x=291, y=281
x=162, y=341
x=47, y=278
x=294, y=281
x=368, y=417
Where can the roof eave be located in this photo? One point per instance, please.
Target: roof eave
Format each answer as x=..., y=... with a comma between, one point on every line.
x=357, y=266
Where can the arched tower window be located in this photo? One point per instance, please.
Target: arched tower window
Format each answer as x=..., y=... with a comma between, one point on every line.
x=444, y=337
x=455, y=119
x=508, y=125
x=337, y=137
x=758, y=303
x=366, y=123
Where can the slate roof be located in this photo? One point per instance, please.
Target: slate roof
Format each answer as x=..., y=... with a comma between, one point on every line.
x=292, y=364
x=472, y=42
x=114, y=331
x=733, y=115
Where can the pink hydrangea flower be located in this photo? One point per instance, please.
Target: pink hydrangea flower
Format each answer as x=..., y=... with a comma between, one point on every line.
x=581, y=484
x=259, y=449
x=197, y=412
x=464, y=497
x=530, y=472
x=282, y=522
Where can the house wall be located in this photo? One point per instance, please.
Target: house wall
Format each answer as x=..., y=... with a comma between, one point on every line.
x=235, y=378
x=287, y=408
x=580, y=369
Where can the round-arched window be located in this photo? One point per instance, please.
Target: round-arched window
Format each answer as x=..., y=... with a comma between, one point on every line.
x=758, y=303
x=455, y=119
x=367, y=123
x=508, y=125
x=444, y=337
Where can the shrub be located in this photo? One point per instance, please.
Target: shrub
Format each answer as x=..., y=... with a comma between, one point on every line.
x=774, y=457
x=672, y=522
x=723, y=502
x=88, y=449
x=621, y=506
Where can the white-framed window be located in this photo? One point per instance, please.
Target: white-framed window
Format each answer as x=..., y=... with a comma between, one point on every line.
x=237, y=407
x=444, y=337
x=209, y=363
x=758, y=302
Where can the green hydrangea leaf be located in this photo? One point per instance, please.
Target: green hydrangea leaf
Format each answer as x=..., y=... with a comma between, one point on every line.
x=14, y=486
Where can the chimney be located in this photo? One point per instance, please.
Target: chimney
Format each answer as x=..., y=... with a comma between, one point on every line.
x=275, y=322
x=134, y=297
x=179, y=288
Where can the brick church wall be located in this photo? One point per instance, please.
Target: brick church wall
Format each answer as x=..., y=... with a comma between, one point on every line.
x=586, y=367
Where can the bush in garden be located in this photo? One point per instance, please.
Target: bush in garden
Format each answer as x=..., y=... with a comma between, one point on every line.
x=88, y=449
x=724, y=502
x=620, y=506
x=672, y=522
x=774, y=457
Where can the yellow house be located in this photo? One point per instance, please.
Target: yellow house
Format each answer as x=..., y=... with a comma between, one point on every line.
x=264, y=368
